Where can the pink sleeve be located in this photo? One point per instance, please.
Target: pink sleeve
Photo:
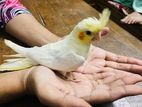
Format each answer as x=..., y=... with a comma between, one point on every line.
x=10, y=9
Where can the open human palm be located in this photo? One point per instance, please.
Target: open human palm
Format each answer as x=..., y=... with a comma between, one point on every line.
x=103, y=77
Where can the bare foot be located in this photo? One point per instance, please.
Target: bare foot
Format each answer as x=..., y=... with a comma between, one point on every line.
x=133, y=18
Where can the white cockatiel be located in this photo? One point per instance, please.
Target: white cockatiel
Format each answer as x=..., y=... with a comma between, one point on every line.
x=65, y=55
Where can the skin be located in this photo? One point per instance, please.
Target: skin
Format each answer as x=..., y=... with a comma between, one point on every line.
x=39, y=35
x=99, y=79
x=101, y=76
x=133, y=18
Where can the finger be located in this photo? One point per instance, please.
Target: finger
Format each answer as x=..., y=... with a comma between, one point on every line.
x=122, y=59
x=127, y=20
x=133, y=90
x=124, y=19
x=115, y=71
x=122, y=91
x=120, y=77
x=133, y=21
x=126, y=80
x=127, y=77
x=130, y=21
x=104, y=31
x=113, y=93
x=125, y=66
x=58, y=98
x=132, y=79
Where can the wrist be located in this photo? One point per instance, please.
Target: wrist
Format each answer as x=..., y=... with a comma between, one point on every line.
x=12, y=85
x=31, y=80
x=28, y=81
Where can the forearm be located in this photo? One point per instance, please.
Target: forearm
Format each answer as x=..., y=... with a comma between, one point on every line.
x=18, y=22
x=12, y=85
x=27, y=29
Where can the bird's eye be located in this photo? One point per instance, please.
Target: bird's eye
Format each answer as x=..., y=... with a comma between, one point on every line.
x=88, y=32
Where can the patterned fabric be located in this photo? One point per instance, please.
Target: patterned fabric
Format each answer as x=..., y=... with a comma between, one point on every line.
x=9, y=9
x=136, y=5
x=127, y=3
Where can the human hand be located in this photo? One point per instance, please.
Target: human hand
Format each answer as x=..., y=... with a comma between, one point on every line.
x=99, y=60
x=92, y=88
x=52, y=90
x=103, y=78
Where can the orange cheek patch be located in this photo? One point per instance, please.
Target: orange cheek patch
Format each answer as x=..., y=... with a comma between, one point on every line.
x=81, y=36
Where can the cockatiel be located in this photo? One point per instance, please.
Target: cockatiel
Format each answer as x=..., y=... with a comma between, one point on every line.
x=65, y=55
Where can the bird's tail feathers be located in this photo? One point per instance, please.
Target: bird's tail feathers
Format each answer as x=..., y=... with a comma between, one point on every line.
x=17, y=48
x=14, y=56
x=17, y=64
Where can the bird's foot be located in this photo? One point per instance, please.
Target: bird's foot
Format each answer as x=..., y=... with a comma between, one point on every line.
x=71, y=77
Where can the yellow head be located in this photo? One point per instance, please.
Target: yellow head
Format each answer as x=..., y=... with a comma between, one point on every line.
x=88, y=29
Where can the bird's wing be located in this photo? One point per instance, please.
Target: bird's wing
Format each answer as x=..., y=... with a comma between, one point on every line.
x=68, y=61
x=56, y=58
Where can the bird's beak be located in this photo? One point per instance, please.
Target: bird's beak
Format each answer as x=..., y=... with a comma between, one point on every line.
x=103, y=32
x=96, y=37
